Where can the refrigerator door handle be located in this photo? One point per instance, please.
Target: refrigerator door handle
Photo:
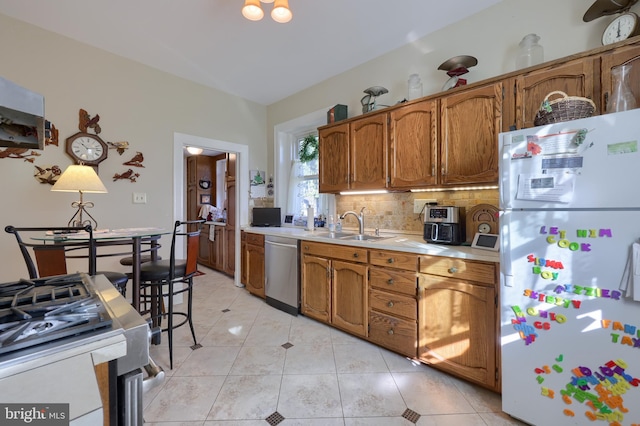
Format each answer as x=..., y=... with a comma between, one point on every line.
x=505, y=249
x=505, y=189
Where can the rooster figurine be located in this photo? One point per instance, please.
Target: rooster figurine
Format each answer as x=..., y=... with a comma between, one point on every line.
x=86, y=122
x=136, y=161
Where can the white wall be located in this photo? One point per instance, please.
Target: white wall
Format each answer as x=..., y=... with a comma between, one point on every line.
x=135, y=103
x=492, y=36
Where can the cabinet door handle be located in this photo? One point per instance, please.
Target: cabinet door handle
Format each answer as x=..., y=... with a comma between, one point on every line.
x=390, y=260
x=453, y=270
x=390, y=281
x=355, y=254
x=390, y=304
x=306, y=247
x=390, y=331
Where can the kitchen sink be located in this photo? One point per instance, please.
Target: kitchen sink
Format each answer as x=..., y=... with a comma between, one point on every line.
x=364, y=237
x=336, y=235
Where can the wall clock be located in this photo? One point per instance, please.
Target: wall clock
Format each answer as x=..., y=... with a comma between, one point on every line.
x=86, y=148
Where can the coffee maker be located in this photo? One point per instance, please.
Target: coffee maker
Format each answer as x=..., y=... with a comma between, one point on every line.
x=444, y=225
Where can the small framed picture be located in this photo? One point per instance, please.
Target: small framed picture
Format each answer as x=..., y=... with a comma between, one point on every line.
x=486, y=241
x=205, y=199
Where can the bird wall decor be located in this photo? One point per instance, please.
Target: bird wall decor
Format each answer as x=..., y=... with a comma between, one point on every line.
x=87, y=122
x=136, y=161
x=120, y=147
x=128, y=175
x=47, y=174
x=19, y=153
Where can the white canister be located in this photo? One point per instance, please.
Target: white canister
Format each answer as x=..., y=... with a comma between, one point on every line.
x=310, y=217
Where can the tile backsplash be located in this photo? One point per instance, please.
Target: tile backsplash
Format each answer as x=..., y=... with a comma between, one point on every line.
x=394, y=211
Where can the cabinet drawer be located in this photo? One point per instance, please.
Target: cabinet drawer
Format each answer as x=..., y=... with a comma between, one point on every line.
x=255, y=239
x=393, y=304
x=393, y=333
x=390, y=280
x=335, y=251
x=393, y=259
x=482, y=272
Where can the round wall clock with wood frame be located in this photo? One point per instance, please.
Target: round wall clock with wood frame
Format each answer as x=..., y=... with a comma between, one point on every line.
x=482, y=218
x=87, y=148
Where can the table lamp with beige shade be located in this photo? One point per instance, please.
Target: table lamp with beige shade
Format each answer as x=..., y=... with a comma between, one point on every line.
x=80, y=178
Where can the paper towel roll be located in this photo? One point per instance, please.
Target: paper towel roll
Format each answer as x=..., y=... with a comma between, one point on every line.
x=310, y=217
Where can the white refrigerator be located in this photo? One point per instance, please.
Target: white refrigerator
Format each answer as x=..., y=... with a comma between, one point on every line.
x=570, y=271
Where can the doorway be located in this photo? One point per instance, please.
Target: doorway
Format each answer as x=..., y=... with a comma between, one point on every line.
x=180, y=141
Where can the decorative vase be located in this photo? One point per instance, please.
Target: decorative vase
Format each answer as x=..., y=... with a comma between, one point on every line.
x=621, y=98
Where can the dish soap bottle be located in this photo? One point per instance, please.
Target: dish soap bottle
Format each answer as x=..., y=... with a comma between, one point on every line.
x=530, y=52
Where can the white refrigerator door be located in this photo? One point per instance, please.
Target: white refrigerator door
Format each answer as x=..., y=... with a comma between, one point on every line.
x=564, y=321
x=588, y=163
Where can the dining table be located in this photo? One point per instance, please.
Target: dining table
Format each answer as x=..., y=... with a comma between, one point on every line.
x=137, y=238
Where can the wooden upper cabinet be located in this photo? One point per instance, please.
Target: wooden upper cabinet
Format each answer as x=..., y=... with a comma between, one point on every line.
x=575, y=78
x=471, y=121
x=334, y=158
x=368, y=150
x=412, y=152
x=629, y=55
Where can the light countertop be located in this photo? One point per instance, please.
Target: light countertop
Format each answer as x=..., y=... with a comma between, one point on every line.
x=410, y=243
x=216, y=223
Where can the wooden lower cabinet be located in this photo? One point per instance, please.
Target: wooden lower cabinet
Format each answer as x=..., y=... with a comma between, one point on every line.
x=393, y=308
x=442, y=311
x=349, y=297
x=211, y=253
x=254, y=258
x=316, y=288
x=334, y=290
x=457, y=321
x=243, y=258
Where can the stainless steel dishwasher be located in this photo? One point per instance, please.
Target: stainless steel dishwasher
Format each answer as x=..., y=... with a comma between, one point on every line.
x=282, y=286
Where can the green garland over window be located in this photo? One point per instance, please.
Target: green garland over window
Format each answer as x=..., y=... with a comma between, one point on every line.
x=309, y=149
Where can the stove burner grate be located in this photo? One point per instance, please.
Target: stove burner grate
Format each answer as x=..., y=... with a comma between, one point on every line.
x=33, y=312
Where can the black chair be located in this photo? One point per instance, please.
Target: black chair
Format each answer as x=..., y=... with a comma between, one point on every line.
x=175, y=276
x=51, y=255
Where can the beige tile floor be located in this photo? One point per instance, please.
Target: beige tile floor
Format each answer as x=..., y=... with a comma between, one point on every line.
x=242, y=375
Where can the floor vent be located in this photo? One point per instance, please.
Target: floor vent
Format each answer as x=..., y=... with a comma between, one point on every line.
x=287, y=345
x=275, y=419
x=226, y=310
x=411, y=415
x=196, y=346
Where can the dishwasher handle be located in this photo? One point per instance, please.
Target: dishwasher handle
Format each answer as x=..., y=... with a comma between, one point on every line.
x=281, y=244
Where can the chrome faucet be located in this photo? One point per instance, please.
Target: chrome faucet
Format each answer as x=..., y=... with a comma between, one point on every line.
x=360, y=218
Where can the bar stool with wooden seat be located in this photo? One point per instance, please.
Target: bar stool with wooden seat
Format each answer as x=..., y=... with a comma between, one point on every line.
x=51, y=256
x=171, y=277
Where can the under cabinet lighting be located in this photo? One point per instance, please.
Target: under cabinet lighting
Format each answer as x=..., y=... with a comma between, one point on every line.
x=381, y=191
x=459, y=188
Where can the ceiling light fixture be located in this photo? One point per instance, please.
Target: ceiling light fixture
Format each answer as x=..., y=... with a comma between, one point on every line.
x=194, y=150
x=280, y=13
